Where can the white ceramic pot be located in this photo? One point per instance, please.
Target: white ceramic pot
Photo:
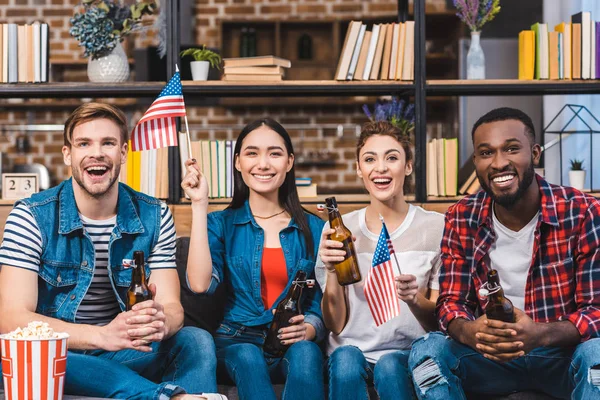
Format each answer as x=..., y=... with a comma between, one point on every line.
x=577, y=179
x=199, y=70
x=113, y=67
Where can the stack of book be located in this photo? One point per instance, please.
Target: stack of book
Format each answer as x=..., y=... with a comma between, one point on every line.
x=147, y=172
x=262, y=68
x=305, y=187
x=24, y=53
x=442, y=167
x=386, y=52
x=571, y=51
x=215, y=158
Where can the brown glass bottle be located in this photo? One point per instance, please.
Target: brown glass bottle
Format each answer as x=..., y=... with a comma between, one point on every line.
x=347, y=271
x=138, y=290
x=287, y=308
x=499, y=307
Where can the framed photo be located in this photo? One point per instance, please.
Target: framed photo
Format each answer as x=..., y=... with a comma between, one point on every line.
x=19, y=185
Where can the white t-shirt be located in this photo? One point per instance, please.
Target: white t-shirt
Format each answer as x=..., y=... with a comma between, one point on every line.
x=417, y=245
x=511, y=256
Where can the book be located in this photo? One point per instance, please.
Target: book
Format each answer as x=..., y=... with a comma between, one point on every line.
x=451, y=166
x=256, y=62
x=526, y=54
x=565, y=29
x=228, y=168
x=362, y=56
x=22, y=53
x=2, y=49
x=541, y=50
x=440, y=164
x=356, y=52
x=432, y=182
x=13, y=53
x=222, y=167
x=387, y=52
x=465, y=186
x=379, y=53
x=561, y=66
x=262, y=78
x=408, y=65
x=214, y=168
x=400, y=53
x=303, y=181
x=45, y=57
x=597, y=50
x=4, y=53
x=584, y=19
x=37, y=52
x=206, y=165
x=593, y=51
x=347, y=50
x=394, y=55
x=553, y=55
x=271, y=70
x=576, y=51
x=307, y=191
x=371, y=53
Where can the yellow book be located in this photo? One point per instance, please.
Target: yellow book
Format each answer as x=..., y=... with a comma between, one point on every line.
x=129, y=166
x=526, y=54
x=136, y=182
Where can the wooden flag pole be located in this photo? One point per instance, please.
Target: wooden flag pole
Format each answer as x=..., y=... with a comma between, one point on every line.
x=391, y=245
x=187, y=128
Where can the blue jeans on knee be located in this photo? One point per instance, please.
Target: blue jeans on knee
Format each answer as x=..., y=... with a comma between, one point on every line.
x=350, y=374
x=240, y=357
x=184, y=363
x=443, y=368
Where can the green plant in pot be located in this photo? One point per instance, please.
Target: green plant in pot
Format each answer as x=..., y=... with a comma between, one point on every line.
x=203, y=60
x=577, y=174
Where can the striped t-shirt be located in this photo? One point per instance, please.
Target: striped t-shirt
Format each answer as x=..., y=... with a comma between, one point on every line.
x=22, y=248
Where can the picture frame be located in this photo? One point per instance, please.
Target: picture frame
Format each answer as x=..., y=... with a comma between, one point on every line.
x=19, y=185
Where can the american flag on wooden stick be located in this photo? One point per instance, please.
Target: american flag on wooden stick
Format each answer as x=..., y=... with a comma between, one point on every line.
x=380, y=289
x=157, y=127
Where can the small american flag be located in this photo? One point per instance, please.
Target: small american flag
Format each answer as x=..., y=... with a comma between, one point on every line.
x=380, y=290
x=158, y=127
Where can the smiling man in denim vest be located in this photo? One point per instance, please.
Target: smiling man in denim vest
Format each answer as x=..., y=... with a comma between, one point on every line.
x=62, y=262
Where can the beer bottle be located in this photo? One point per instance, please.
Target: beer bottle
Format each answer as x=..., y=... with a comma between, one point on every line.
x=138, y=290
x=347, y=271
x=498, y=307
x=287, y=308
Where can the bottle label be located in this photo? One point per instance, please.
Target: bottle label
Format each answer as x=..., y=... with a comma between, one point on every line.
x=128, y=263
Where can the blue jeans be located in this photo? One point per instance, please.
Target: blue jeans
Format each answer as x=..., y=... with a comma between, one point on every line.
x=350, y=374
x=185, y=362
x=442, y=367
x=241, y=358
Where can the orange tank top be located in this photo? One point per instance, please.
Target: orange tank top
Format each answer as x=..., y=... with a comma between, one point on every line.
x=273, y=275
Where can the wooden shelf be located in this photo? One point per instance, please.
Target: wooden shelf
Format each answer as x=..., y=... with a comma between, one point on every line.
x=296, y=88
x=79, y=89
x=495, y=87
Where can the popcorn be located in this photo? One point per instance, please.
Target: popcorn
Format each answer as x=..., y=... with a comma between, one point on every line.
x=35, y=330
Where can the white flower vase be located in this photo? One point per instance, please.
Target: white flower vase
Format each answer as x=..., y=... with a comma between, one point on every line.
x=199, y=70
x=475, y=58
x=111, y=68
x=577, y=179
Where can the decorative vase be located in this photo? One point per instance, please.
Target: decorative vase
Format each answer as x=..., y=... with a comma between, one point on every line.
x=113, y=67
x=475, y=58
x=199, y=70
x=577, y=179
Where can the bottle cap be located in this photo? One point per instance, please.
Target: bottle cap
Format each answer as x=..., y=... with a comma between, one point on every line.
x=483, y=292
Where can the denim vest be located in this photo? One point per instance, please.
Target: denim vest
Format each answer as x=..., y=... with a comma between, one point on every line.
x=67, y=260
x=236, y=247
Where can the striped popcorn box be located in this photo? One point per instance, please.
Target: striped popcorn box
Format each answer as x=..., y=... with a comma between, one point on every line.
x=34, y=369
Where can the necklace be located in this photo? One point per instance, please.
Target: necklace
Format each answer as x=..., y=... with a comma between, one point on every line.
x=270, y=216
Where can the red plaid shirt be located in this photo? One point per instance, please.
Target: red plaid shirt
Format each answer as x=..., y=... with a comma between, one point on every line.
x=563, y=282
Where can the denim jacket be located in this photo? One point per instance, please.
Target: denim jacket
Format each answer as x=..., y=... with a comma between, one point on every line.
x=236, y=247
x=67, y=260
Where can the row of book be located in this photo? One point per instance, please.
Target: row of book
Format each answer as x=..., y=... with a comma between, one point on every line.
x=261, y=68
x=147, y=172
x=24, y=53
x=571, y=51
x=442, y=167
x=385, y=53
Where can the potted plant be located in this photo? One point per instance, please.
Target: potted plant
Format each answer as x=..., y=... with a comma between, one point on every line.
x=475, y=14
x=203, y=59
x=577, y=174
x=100, y=26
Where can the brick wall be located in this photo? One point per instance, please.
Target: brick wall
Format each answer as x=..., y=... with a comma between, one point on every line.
x=206, y=122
